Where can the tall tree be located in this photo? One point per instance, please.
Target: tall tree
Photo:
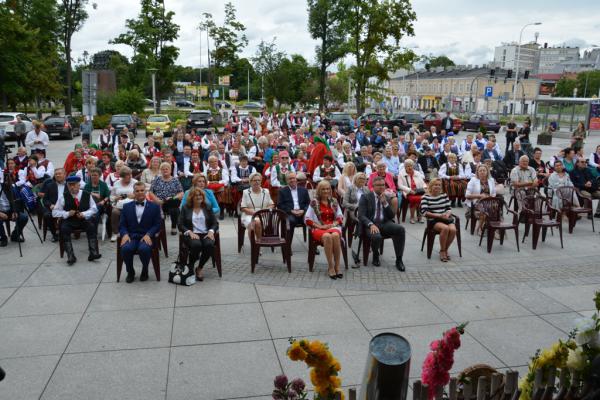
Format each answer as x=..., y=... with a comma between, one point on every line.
x=150, y=36
x=375, y=29
x=228, y=39
x=267, y=62
x=71, y=16
x=326, y=23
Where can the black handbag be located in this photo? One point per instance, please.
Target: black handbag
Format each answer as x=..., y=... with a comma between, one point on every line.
x=419, y=192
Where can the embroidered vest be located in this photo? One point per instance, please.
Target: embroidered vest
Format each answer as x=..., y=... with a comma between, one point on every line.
x=242, y=173
x=196, y=167
x=451, y=171
x=281, y=175
x=327, y=171
x=214, y=175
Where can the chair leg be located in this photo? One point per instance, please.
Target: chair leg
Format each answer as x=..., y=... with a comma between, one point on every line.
x=241, y=232
x=345, y=254
x=536, y=236
x=424, y=237
x=561, y=236
x=311, y=254
x=119, y=262
x=544, y=230
x=527, y=225
x=304, y=233
x=366, y=249
x=156, y=262
x=458, y=242
x=502, y=233
x=593, y=229
x=430, y=242
x=288, y=256
x=517, y=237
x=252, y=258
x=572, y=221
x=483, y=229
x=490, y=239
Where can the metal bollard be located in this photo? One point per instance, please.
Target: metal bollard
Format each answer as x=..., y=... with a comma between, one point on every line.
x=387, y=369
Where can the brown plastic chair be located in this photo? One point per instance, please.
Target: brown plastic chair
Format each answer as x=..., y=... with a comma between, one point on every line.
x=429, y=235
x=155, y=258
x=274, y=234
x=216, y=257
x=472, y=218
x=312, y=250
x=493, y=210
x=540, y=214
x=241, y=229
x=567, y=196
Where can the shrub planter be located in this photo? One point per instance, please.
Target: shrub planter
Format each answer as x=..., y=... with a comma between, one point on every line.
x=544, y=138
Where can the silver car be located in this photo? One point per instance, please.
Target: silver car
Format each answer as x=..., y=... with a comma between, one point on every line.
x=8, y=121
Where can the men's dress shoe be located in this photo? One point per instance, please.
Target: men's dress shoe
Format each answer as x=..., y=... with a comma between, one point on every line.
x=597, y=215
x=15, y=238
x=376, y=262
x=3, y=242
x=54, y=239
x=400, y=266
x=144, y=275
x=93, y=257
x=129, y=278
x=72, y=261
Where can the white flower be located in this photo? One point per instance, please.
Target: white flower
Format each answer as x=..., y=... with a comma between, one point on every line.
x=586, y=332
x=576, y=360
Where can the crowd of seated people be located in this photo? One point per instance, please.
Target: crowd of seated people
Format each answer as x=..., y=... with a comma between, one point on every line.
x=273, y=161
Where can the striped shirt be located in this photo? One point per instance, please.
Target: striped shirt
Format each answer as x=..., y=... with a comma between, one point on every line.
x=435, y=204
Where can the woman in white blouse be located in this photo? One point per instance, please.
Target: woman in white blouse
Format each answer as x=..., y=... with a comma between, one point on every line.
x=353, y=194
x=481, y=186
x=121, y=193
x=346, y=179
x=114, y=176
x=151, y=172
x=253, y=200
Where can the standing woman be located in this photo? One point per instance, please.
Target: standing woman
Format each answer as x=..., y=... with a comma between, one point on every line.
x=254, y=199
x=324, y=216
x=453, y=179
x=578, y=135
x=198, y=225
x=166, y=191
x=151, y=172
x=435, y=206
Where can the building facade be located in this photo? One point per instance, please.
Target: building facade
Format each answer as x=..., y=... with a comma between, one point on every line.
x=552, y=59
x=463, y=90
x=505, y=56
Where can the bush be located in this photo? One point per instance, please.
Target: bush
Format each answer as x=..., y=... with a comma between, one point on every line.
x=101, y=121
x=125, y=101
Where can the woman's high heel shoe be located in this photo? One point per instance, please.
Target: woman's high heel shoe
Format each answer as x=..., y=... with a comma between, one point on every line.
x=339, y=276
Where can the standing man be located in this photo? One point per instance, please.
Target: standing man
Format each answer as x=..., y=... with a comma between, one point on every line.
x=139, y=224
x=376, y=216
x=37, y=139
x=20, y=131
x=294, y=200
x=511, y=134
x=86, y=129
x=77, y=210
x=447, y=122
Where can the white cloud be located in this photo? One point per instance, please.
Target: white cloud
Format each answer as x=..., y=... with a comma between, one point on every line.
x=464, y=30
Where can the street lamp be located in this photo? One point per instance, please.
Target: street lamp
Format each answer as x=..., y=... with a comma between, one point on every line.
x=517, y=66
x=153, y=72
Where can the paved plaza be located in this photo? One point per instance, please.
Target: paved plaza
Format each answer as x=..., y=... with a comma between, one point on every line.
x=75, y=333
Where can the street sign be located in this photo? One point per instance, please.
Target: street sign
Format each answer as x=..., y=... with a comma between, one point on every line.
x=89, y=87
x=216, y=94
x=233, y=94
x=489, y=91
x=224, y=80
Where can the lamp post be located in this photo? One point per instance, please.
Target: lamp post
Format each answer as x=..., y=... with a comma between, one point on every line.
x=153, y=72
x=517, y=66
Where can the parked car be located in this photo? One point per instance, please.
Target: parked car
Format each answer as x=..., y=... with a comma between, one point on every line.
x=161, y=121
x=8, y=121
x=120, y=121
x=340, y=119
x=252, y=106
x=435, y=119
x=372, y=119
x=61, y=127
x=223, y=104
x=199, y=120
x=184, y=103
x=405, y=121
x=489, y=121
x=165, y=103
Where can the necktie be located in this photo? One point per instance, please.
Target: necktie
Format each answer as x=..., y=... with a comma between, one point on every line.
x=378, y=213
x=76, y=202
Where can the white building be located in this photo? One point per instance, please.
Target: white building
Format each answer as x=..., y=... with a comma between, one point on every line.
x=552, y=57
x=505, y=56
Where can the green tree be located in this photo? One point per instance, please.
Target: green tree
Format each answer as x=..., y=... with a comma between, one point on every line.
x=124, y=101
x=439, y=61
x=564, y=87
x=267, y=62
x=71, y=16
x=326, y=24
x=593, y=84
x=337, y=86
x=292, y=75
x=150, y=36
x=228, y=39
x=375, y=28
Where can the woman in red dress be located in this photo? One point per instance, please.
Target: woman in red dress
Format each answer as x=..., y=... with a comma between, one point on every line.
x=325, y=217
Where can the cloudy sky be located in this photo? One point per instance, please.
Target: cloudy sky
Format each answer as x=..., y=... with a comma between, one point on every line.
x=464, y=30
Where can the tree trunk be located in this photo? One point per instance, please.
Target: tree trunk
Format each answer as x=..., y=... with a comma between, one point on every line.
x=69, y=79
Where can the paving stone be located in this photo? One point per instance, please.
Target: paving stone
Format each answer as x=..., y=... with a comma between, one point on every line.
x=63, y=274
x=535, y=301
x=563, y=321
x=216, y=292
x=276, y=293
x=575, y=297
x=124, y=374
x=26, y=377
x=42, y=300
x=124, y=296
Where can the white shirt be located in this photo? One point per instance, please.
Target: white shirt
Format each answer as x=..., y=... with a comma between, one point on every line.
x=199, y=222
x=139, y=211
x=59, y=208
x=295, y=198
x=32, y=137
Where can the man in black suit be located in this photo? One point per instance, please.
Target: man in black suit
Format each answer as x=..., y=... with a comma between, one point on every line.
x=376, y=216
x=294, y=200
x=51, y=190
x=511, y=158
x=428, y=162
x=447, y=122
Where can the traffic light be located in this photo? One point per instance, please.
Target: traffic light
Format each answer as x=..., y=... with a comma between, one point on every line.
x=509, y=73
x=526, y=75
x=492, y=72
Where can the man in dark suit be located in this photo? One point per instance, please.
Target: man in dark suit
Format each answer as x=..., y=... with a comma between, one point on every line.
x=51, y=190
x=294, y=200
x=428, y=162
x=511, y=158
x=140, y=222
x=376, y=216
x=489, y=152
x=447, y=122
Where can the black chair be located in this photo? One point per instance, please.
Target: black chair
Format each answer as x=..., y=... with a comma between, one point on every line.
x=429, y=235
x=312, y=250
x=493, y=210
x=155, y=258
x=541, y=215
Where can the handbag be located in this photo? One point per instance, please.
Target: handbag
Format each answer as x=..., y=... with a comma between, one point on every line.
x=419, y=192
x=181, y=274
x=448, y=221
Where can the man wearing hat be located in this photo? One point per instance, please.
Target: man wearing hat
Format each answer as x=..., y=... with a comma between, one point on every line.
x=77, y=209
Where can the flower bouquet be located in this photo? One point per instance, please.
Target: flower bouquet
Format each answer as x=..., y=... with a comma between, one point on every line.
x=324, y=368
x=575, y=354
x=439, y=361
